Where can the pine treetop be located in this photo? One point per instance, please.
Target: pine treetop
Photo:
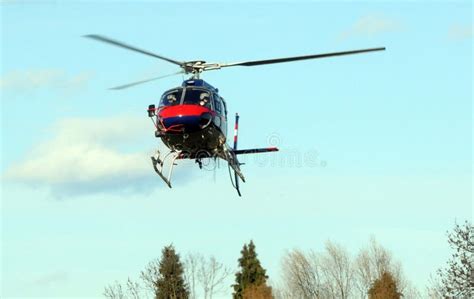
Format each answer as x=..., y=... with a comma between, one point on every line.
x=251, y=271
x=170, y=283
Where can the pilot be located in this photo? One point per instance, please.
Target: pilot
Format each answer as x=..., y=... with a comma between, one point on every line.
x=171, y=98
x=204, y=99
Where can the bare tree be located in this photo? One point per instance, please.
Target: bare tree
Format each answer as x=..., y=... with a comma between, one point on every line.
x=434, y=289
x=134, y=289
x=371, y=263
x=334, y=274
x=150, y=274
x=337, y=269
x=211, y=276
x=191, y=265
x=114, y=291
x=314, y=276
x=411, y=292
x=302, y=275
x=208, y=273
x=280, y=291
x=364, y=272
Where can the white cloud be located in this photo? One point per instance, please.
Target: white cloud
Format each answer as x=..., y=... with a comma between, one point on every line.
x=459, y=32
x=370, y=26
x=30, y=80
x=51, y=279
x=88, y=155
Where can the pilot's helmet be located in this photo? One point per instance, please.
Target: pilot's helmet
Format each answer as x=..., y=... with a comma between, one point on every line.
x=203, y=98
x=171, y=98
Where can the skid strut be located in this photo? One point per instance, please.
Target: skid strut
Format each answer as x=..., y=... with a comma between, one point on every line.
x=158, y=165
x=233, y=161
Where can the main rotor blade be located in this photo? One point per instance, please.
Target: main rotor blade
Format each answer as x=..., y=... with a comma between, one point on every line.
x=144, y=81
x=123, y=45
x=295, y=58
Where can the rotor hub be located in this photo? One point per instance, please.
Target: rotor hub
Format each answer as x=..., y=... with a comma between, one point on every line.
x=194, y=67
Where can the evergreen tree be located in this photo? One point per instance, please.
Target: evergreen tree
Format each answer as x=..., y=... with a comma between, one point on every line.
x=457, y=279
x=251, y=273
x=258, y=292
x=170, y=283
x=384, y=288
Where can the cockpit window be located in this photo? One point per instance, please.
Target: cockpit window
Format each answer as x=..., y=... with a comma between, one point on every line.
x=195, y=96
x=217, y=104
x=171, y=98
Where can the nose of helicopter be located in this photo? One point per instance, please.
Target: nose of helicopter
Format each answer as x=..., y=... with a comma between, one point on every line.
x=184, y=118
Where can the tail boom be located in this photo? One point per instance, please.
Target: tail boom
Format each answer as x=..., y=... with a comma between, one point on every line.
x=255, y=150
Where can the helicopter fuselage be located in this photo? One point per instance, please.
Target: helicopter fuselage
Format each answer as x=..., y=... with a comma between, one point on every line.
x=192, y=119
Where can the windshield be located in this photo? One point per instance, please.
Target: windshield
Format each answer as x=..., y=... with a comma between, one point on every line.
x=171, y=98
x=195, y=96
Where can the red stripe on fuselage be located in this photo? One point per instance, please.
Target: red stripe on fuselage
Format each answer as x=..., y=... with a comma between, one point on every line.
x=183, y=110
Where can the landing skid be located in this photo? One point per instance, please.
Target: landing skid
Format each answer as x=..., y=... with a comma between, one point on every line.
x=158, y=165
x=234, y=165
x=235, y=180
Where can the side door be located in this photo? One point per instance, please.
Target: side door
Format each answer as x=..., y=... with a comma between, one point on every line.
x=219, y=108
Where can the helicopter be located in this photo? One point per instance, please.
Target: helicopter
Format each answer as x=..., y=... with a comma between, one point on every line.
x=191, y=119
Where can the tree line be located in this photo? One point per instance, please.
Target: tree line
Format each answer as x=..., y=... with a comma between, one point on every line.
x=333, y=273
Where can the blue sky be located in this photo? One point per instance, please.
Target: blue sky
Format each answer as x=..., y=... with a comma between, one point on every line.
x=375, y=144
